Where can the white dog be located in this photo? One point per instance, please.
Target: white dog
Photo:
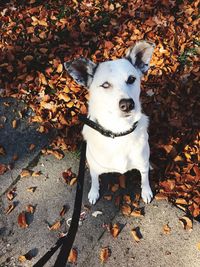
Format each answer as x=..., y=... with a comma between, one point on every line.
x=114, y=104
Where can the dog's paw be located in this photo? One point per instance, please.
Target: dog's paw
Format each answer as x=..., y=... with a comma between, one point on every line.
x=147, y=194
x=93, y=195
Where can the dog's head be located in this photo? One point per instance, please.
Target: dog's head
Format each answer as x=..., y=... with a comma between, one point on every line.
x=114, y=86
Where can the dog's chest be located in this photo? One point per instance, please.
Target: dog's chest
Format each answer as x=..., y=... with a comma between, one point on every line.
x=110, y=154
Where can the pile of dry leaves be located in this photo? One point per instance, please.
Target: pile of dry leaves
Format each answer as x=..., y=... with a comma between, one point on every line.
x=36, y=37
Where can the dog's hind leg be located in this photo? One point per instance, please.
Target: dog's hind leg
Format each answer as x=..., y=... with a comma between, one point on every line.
x=94, y=190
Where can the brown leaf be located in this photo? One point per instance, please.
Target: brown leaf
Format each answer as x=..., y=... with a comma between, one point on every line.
x=10, y=208
x=114, y=188
x=127, y=199
x=63, y=210
x=28, y=256
x=181, y=201
x=105, y=254
x=115, y=229
x=186, y=223
x=31, y=147
x=166, y=229
x=126, y=209
x=11, y=194
x=122, y=181
x=161, y=196
x=25, y=173
x=136, y=234
x=30, y=209
x=3, y=169
x=2, y=151
x=107, y=197
x=73, y=255
x=22, y=258
x=59, y=68
x=22, y=220
x=55, y=226
x=137, y=213
x=14, y=124
x=36, y=173
x=69, y=177
x=32, y=189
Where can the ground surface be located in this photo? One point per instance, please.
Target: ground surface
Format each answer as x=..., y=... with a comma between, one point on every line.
x=36, y=37
x=178, y=247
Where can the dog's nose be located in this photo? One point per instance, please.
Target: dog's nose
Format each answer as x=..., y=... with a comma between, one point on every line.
x=126, y=105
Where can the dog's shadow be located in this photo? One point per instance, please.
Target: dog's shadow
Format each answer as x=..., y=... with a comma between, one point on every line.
x=116, y=186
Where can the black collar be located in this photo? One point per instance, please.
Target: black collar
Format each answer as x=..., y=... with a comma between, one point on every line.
x=96, y=126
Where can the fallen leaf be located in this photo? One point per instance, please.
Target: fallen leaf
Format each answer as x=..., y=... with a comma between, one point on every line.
x=105, y=254
x=22, y=258
x=126, y=209
x=107, y=197
x=22, y=220
x=118, y=200
x=136, y=234
x=32, y=189
x=36, y=173
x=137, y=213
x=31, y=147
x=10, y=208
x=55, y=226
x=186, y=222
x=198, y=246
x=161, y=196
x=3, y=168
x=25, y=173
x=166, y=229
x=73, y=255
x=30, y=209
x=14, y=124
x=115, y=229
x=127, y=199
x=63, y=210
x=11, y=194
x=69, y=177
x=122, y=181
x=114, y=188
x=181, y=201
x=2, y=151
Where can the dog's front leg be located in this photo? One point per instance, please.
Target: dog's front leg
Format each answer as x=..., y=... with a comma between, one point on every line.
x=146, y=189
x=94, y=190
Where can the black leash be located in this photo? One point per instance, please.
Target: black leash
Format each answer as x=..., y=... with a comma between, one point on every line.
x=68, y=240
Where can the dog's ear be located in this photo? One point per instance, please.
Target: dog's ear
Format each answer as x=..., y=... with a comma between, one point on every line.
x=140, y=55
x=81, y=70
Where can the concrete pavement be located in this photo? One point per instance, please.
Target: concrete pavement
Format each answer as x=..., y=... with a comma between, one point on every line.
x=156, y=248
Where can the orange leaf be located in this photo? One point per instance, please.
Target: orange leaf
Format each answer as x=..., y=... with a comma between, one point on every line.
x=25, y=173
x=115, y=230
x=55, y=226
x=105, y=254
x=186, y=223
x=136, y=234
x=22, y=220
x=10, y=208
x=166, y=229
x=126, y=209
x=73, y=255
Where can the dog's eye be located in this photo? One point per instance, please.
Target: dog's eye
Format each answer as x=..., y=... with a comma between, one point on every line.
x=131, y=79
x=106, y=85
